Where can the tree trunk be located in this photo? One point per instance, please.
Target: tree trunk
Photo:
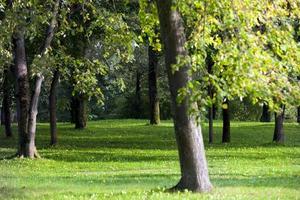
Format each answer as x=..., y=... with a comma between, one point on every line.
x=279, y=136
x=194, y=170
x=152, y=81
x=7, y=102
x=138, y=94
x=210, y=64
x=2, y=115
x=33, y=111
x=266, y=114
x=80, y=111
x=214, y=111
x=52, y=107
x=226, y=122
x=298, y=116
x=22, y=92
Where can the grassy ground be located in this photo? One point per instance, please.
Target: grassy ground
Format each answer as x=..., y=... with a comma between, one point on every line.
x=127, y=159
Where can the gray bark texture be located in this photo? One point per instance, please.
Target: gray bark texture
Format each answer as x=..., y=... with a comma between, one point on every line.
x=193, y=164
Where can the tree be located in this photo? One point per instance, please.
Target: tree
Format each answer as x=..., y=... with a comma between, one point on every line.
x=279, y=136
x=152, y=81
x=52, y=107
x=194, y=171
x=226, y=122
x=7, y=101
x=266, y=114
x=27, y=103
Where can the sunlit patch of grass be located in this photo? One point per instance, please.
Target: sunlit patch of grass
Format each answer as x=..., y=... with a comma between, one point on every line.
x=128, y=159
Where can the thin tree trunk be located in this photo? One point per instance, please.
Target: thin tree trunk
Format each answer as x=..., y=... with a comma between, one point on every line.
x=52, y=107
x=152, y=81
x=210, y=64
x=2, y=115
x=138, y=95
x=32, y=152
x=22, y=92
x=7, y=102
x=226, y=122
x=279, y=136
x=266, y=114
x=194, y=170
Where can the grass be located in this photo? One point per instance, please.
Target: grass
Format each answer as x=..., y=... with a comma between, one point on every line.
x=128, y=159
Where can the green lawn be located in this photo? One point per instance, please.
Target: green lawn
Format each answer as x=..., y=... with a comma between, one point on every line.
x=128, y=159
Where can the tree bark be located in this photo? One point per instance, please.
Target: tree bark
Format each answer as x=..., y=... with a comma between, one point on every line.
x=266, y=114
x=7, y=102
x=279, y=136
x=22, y=92
x=210, y=64
x=194, y=170
x=52, y=107
x=214, y=107
x=2, y=115
x=138, y=95
x=80, y=111
x=152, y=81
x=226, y=122
x=33, y=111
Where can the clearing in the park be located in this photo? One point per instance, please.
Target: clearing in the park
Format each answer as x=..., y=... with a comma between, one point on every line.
x=128, y=159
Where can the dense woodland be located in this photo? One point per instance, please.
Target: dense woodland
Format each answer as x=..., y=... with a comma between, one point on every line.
x=192, y=61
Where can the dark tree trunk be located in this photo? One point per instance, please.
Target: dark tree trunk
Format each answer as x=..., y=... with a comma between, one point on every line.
x=226, y=122
x=298, y=116
x=214, y=111
x=22, y=92
x=33, y=111
x=2, y=115
x=73, y=110
x=279, y=136
x=138, y=95
x=194, y=170
x=80, y=111
x=152, y=80
x=7, y=102
x=210, y=64
x=52, y=107
x=266, y=114
x=210, y=125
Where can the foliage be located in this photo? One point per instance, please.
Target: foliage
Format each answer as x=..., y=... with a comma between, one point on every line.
x=254, y=48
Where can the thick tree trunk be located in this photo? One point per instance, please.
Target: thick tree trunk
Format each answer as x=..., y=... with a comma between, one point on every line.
x=194, y=170
x=80, y=111
x=266, y=114
x=33, y=111
x=152, y=81
x=22, y=92
x=7, y=102
x=226, y=122
x=279, y=136
x=52, y=107
x=298, y=116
